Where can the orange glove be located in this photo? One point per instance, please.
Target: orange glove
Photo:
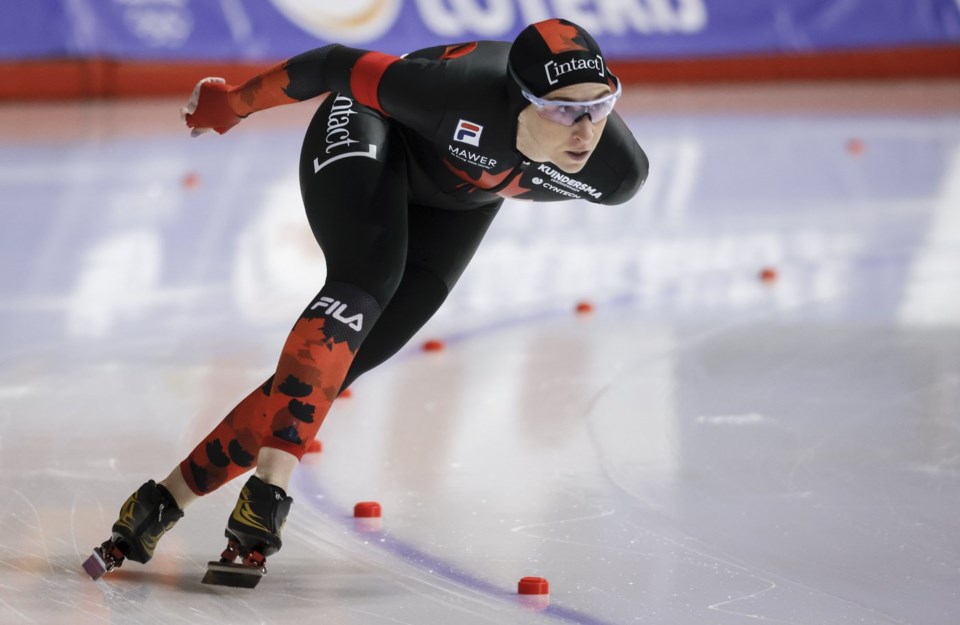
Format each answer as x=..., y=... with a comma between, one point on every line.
x=209, y=108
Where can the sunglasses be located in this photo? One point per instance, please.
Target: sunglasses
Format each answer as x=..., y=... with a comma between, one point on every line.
x=567, y=113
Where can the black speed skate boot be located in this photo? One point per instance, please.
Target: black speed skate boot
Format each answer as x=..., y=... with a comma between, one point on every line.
x=145, y=516
x=253, y=534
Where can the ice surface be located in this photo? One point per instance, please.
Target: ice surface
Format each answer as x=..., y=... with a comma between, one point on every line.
x=704, y=449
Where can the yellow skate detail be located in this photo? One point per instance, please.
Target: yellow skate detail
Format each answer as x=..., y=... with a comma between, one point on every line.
x=126, y=512
x=243, y=512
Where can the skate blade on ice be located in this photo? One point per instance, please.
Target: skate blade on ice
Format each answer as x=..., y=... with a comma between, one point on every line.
x=95, y=566
x=233, y=574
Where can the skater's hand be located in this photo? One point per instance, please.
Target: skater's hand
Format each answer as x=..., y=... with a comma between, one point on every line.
x=209, y=108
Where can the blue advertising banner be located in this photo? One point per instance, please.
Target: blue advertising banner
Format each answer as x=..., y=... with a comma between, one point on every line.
x=261, y=30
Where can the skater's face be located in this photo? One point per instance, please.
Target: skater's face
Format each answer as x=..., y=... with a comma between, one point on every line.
x=567, y=146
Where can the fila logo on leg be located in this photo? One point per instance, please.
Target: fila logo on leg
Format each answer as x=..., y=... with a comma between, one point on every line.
x=335, y=308
x=467, y=132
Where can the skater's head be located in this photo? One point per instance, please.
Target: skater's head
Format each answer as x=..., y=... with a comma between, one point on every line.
x=569, y=91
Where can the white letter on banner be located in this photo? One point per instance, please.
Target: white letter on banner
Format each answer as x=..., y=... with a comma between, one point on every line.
x=652, y=16
x=533, y=11
x=693, y=16
x=689, y=16
x=619, y=16
x=439, y=19
x=496, y=19
x=573, y=11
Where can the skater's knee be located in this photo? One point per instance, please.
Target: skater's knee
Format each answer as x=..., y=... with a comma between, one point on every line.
x=379, y=283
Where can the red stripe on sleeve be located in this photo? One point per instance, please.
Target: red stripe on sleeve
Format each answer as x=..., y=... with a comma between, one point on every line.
x=366, y=75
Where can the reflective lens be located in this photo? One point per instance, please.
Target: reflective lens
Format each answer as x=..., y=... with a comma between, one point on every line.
x=567, y=113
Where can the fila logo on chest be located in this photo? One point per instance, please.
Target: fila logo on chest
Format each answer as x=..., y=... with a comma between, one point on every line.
x=468, y=132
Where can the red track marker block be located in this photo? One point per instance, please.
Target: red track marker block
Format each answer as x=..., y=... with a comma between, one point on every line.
x=191, y=181
x=367, y=510
x=855, y=147
x=768, y=275
x=533, y=586
x=434, y=345
x=584, y=307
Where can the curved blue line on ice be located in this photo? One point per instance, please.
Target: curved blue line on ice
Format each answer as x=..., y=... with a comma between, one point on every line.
x=321, y=502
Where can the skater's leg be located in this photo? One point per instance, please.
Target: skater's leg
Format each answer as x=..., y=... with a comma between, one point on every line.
x=275, y=466
x=441, y=244
x=226, y=452
x=314, y=362
x=178, y=488
x=272, y=464
x=154, y=508
x=357, y=208
x=356, y=203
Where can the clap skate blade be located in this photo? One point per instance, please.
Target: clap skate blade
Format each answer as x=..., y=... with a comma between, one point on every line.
x=104, y=558
x=244, y=574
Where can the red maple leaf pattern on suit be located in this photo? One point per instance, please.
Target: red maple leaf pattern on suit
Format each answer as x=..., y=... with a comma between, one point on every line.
x=559, y=37
x=489, y=181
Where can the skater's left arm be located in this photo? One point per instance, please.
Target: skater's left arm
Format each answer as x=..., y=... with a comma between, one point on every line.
x=350, y=71
x=219, y=106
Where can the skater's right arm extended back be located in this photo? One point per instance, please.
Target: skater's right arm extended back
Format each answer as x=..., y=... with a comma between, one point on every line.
x=352, y=72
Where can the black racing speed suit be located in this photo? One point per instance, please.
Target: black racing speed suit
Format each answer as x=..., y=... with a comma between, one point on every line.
x=403, y=167
x=446, y=116
x=456, y=110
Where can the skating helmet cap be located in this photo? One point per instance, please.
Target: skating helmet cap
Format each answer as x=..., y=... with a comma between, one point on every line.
x=556, y=53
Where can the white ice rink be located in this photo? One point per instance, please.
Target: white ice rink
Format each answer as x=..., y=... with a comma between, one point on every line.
x=704, y=449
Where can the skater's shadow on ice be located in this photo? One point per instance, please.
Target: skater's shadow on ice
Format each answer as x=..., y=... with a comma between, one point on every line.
x=128, y=587
x=123, y=581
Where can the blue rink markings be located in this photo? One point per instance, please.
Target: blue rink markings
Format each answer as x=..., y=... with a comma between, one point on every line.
x=436, y=566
